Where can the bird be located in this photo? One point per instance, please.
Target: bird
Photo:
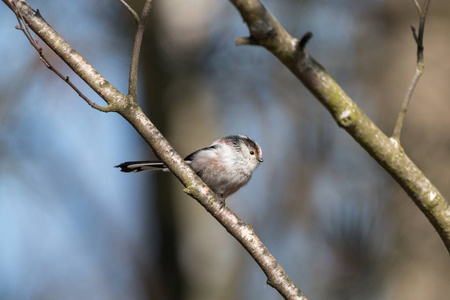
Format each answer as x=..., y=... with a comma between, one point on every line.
x=225, y=166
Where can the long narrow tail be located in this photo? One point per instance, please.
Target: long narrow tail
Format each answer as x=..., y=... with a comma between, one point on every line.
x=139, y=166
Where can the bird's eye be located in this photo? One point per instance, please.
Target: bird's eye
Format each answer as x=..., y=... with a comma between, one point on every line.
x=252, y=152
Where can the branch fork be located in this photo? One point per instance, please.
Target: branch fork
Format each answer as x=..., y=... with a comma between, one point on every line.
x=268, y=33
x=420, y=67
x=128, y=107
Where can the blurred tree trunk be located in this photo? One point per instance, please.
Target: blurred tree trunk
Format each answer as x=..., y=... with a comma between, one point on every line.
x=165, y=279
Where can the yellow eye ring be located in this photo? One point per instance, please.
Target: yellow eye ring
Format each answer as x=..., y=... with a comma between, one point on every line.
x=252, y=152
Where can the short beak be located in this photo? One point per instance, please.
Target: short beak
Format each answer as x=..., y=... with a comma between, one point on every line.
x=260, y=159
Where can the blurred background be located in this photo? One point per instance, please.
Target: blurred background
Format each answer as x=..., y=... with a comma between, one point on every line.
x=73, y=227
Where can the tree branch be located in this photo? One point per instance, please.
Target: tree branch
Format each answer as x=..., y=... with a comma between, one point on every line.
x=420, y=67
x=132, y=11
x=35, y=44
x=72, y=58
x=128, y=107
x=268, y=33
x=242, y=232
x=132, y=85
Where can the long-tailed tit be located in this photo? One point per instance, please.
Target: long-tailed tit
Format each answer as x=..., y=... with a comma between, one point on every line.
x=225, y=166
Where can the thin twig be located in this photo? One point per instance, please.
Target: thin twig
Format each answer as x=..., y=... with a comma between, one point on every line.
x=132, y=84
x=420, y=67
x=245, y=41
x=419, y=9
x=132, y=11
x=34, y=42
x=304, y=40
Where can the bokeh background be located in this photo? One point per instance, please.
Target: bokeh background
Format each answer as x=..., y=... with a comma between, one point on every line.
x=73, y=227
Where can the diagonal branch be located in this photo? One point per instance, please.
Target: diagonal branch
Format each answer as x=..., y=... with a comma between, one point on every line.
x=268, y=33
x=420, y=67
x=128, y=108
x=242, y=232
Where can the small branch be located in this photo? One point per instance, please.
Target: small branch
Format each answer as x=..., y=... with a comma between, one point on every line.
x=132, y=11
x=34, y=42
x=132, y=84
x=304, y=40
x=405, y=104
x=419, y=9
x=245, y=41
x=420, y=67
x=32, y=20
x=108, y=108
